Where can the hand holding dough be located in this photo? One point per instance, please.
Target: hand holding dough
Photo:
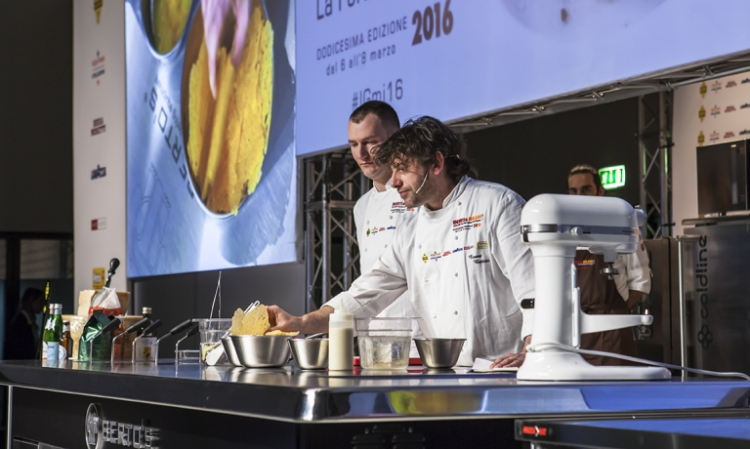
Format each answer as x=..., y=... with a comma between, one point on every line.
x=216, y=15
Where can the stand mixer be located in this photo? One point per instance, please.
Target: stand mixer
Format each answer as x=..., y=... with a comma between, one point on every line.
x=554, y=226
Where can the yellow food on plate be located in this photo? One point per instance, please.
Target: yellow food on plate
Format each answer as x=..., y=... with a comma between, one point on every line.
x=228, y=134
x=169, y=19
x=254, y=323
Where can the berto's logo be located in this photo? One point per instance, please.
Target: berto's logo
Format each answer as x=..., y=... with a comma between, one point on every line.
x=94, y=427
x=100, y=431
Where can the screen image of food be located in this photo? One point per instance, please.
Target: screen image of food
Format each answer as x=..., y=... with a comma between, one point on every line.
x=211, y=136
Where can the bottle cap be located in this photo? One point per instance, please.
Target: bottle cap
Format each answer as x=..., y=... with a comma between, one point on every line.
x=146, y=311
x=55, y=307
x=340, y=315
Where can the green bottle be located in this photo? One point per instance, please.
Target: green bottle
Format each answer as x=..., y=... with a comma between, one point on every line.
x=52, y=335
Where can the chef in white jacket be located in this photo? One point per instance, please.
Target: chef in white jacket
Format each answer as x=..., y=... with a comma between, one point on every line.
x=380, y=212
x=463, y=258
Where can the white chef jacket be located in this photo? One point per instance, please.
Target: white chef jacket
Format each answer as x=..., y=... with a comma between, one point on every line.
x=633, y=272
x=467, y=269
x=378, y=216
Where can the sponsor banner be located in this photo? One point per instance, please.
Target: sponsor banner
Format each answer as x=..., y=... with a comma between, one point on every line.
x=99, y=138
x=705, y=113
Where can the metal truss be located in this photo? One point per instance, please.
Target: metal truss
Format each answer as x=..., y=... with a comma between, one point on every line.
x=666, y=80
x=333, y=183
x=655, y=175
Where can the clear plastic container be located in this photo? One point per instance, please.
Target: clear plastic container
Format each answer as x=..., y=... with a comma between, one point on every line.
x=384, y=343
x=211, y=331
x=188, y=356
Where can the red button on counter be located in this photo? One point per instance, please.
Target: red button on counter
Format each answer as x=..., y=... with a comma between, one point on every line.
x=534, y=430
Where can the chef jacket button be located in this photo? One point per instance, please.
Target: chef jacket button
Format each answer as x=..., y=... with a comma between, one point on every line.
x=459, y=203
x=455, y=312
x=456, y=237
x=456, y=274
x=390, y=217
x=386, y=246
x=426, y=281
x=365, y=249
x=368, y=221
x=419, y=246
x=434, y=316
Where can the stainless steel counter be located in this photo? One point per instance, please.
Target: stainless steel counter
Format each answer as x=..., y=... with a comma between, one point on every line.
x=292, y=395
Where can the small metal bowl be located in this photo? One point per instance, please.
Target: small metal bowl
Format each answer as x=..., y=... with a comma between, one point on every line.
x=261, y=351
x=310, y=354
x=230, y=351
x=439, y=353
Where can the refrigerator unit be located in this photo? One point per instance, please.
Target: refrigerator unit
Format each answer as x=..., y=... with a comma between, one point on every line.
x=706, y=323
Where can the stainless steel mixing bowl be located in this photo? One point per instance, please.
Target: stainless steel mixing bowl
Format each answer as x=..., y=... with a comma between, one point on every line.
x=310, y=354
x=439, y=353
x=230, y=351
x=260, y=351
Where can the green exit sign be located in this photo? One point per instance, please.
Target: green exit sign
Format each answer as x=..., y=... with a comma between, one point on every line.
x=612, y=177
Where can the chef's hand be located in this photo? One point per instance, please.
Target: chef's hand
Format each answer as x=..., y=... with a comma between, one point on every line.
x=217, y=14
x=512, y=360
x=311, y=323
x=281, y=320
x=509, y=361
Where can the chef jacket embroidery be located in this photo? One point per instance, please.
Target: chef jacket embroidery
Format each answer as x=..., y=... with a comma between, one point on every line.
x=466, y=224
x=399, y=207
x=377, y=217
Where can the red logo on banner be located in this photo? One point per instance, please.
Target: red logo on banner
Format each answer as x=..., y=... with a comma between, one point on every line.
x=99, y=224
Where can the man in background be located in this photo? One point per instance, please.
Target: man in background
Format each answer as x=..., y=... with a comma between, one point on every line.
x=380, y=212
x=23, y=333
x=600, y=295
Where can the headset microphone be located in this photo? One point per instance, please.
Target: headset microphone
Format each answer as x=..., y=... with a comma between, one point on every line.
x=425, y=180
